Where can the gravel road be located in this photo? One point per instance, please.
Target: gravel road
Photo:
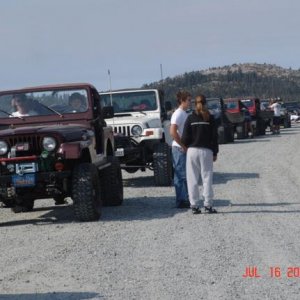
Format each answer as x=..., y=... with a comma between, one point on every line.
x=147, y=249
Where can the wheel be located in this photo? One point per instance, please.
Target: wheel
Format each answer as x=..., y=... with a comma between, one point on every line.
x=240, y=131
x=221, y=135
x=230, y=134
x=261, y=127
x=86, y=193
x=162, y=164
x=285, y=123
x=131, y=170
x=60, y=200
x=111, y=183
x=23, y=204
x=7, y=202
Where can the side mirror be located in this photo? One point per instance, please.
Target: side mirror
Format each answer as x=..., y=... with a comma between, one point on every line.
x=108, y=112
x=168, y=105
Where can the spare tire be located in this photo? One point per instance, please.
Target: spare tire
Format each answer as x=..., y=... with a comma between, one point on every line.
x=112, y=183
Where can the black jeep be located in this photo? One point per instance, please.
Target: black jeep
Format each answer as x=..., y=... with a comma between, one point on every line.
x=217, y=108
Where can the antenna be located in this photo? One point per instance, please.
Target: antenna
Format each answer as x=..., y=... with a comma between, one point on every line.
x=161, y=77
x=110, y=90
x=110, y=95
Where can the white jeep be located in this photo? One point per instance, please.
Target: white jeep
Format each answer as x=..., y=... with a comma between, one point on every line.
x=141, y=131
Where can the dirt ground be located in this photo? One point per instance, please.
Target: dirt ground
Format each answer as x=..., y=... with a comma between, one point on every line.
x=147, y=249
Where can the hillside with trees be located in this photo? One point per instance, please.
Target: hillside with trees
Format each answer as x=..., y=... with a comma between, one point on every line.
x=260, y=80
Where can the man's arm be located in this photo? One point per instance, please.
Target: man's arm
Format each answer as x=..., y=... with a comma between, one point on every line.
x=174, y=134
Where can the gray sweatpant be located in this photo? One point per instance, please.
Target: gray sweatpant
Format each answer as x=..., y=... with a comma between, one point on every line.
x=199, y=164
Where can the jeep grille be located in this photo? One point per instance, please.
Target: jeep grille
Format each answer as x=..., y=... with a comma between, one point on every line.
x=34, y=142
x=125, y=130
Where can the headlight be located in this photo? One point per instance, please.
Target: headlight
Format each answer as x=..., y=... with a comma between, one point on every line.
x=136, y=130
x=49, y=143
x=3, y=147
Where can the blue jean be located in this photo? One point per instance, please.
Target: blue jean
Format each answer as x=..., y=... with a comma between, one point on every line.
x=179, y=165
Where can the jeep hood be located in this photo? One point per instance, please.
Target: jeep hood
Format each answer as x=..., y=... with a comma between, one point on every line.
x=68, y=132
x=153, y=121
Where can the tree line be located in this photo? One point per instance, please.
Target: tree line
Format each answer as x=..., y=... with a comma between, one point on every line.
x=231, y=84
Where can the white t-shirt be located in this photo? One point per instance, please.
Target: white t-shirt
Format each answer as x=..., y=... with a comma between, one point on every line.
x=276, y=108
x=18, y=114
x=178, y=118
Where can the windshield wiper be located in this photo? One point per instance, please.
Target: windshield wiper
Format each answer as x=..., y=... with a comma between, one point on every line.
x=11, y=115
x=51, y=109
x=140, y=111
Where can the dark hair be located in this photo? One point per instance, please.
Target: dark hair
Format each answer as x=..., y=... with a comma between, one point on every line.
x=200, y=107
x=182, y=96
x=19, y=97
x=76, y=96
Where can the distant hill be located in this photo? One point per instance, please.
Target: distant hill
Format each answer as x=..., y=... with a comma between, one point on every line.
x=249, y=79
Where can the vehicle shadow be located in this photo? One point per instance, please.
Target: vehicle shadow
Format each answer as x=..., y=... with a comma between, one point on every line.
x=148, y=208
x=52, y=215
x=264, y=204
x=52, y=296
x=142, y=181
x=262, y=211
x=283, y=132
x=138, y=208
x=220, y=177
x=267, y=208
x=254, y=140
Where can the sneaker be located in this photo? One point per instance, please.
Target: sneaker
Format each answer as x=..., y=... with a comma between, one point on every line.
x=196, y=210
x=183, y=204
x=210, y=210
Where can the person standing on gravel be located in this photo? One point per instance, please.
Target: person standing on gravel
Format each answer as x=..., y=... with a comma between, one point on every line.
x=275, y=106
x=179, y=150
x=201, y=139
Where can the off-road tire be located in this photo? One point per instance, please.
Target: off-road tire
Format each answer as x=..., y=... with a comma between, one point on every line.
x=230, y=136
x=86, y=193
x=286, y=123
x=221, y=135
x=7, y=203
x=60, y=200
x=23, y=204
x=111, y=183
x=241, y=134
x=162, y=164
x=131, y=170
x=261, y=128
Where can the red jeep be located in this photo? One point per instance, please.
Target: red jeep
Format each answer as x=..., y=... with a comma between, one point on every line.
x=259, y=117
x=51, y=147
x=234, y=108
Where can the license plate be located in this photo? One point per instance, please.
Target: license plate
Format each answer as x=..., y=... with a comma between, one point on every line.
x=119, y=152
x=24, y=180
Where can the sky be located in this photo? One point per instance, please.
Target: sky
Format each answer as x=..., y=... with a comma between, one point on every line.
x=66, y=41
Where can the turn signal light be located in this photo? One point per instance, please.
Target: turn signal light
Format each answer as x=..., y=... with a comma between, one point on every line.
x=59, y=166
x=149, y=132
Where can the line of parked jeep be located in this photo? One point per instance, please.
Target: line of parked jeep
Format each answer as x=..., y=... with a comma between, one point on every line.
x=235, y=116
x=54, y=151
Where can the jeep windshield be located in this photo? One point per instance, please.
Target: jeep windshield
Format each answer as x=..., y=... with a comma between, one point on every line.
x=248, y=102
x=136, y=101
x=232, y=105
x=214, y=107
x=42, y=103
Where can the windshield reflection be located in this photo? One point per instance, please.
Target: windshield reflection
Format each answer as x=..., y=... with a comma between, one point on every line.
x=52, y=102
x=130, y=101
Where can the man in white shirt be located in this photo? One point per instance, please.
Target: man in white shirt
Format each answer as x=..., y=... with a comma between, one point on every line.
x=276, y=107
x=179, y=150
